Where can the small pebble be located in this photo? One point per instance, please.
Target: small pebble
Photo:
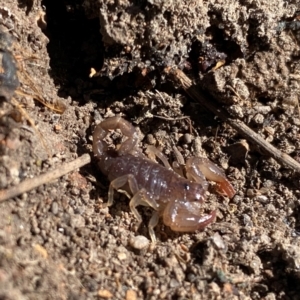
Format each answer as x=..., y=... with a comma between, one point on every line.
x=247, y=220
x=41, y=250
x=262, y=199
x=75, y=191
x=263, y=109
x=151, y=139
x=296, y=121
x=237, y=111
x=122, y=256
x=57, y=128
x=258, y=119
x=105, y=294
x=139, y=242
x=54, y=207
x=251, y=193
x=131, y=295
x=174, y=283
x=218, y=241
x=77, y=221
x=187, y=138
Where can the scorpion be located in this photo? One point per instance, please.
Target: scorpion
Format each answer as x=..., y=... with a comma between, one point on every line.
x=174, y=198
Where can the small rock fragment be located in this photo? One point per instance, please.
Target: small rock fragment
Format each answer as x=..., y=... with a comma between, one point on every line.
x=139, y=242
x=218, y=241
x=258, y=119
x=122, y=256
x=131, y=295
x=238, y=151
x=105, y=294
x=41, y=250
x=188, y=138
x=54, y=208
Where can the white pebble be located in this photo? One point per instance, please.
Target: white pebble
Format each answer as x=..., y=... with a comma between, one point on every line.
x=139, y=242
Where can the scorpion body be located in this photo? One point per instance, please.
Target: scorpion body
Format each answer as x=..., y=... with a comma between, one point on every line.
x=174, y=198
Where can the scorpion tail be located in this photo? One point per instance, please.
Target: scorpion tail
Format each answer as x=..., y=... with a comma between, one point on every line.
x=101, y=131
x=185, y=216
x=99, y=146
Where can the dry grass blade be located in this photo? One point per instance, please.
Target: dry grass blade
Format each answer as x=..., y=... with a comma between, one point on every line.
x=32, y=183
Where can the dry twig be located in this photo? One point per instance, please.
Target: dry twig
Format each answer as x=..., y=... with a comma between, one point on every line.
x=30, y=184
x=194, y=92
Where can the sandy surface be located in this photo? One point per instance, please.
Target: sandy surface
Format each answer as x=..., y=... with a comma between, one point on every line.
x=59, y=241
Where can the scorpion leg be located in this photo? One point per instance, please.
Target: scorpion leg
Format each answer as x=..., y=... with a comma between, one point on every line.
x=200, y=168
x=140, y=197
x=176, y=166
x=157, y=153
x=182, y=216
x=116, y=184
x=152, y=223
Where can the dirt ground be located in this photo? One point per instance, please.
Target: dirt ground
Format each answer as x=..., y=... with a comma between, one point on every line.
x=59, y=241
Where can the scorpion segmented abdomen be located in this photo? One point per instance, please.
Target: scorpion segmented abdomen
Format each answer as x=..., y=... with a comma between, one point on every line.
x=154, y=178
x=160, y=183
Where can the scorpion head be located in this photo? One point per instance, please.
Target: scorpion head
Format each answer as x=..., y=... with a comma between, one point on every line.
x=194, y=191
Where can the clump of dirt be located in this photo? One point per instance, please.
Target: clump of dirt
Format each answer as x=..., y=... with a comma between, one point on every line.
x=59, y=240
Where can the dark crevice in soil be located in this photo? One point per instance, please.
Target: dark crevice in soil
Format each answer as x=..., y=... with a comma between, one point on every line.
x=277, y=278
x=74, y=46
x=28, y=4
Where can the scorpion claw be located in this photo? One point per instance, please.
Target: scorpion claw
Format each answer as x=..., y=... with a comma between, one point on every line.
x=226, y=187
x=200, y=168
x=182, y=216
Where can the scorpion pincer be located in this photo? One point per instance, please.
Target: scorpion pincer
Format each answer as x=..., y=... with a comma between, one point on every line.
x=177, y=200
